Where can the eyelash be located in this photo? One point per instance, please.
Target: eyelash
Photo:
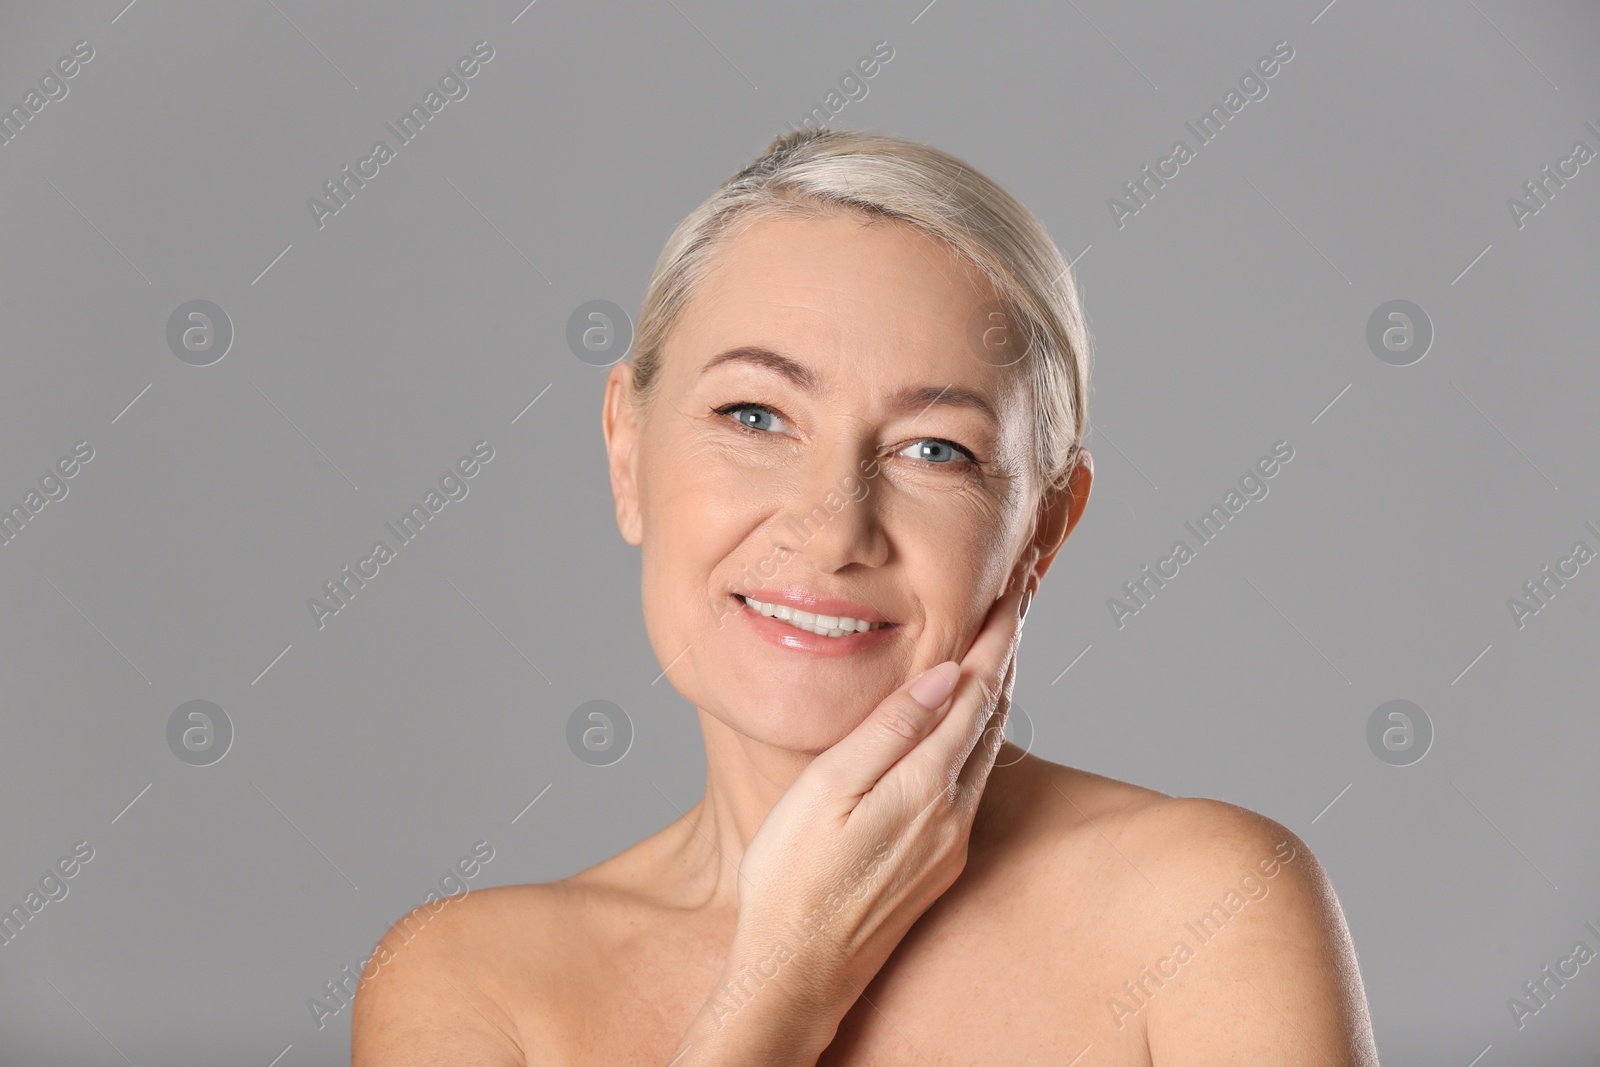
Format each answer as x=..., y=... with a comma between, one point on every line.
x=973, y=463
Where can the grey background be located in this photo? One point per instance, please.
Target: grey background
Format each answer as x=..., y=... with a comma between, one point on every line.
x=1228, y=314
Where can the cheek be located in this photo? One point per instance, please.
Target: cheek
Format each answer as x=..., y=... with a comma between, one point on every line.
x=957, y=550
x=678, y=612
x=692, y=525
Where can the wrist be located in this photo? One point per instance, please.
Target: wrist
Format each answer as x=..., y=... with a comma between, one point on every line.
x=764, y=1029
x=773, y=982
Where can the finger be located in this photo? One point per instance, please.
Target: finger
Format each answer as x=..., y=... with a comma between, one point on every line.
x=854, y=764
x=902, y=727
x=975, y=772
x=983, y=669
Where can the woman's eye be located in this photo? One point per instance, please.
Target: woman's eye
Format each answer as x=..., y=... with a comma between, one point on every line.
x=761, y=419
x=939, y=452
x=754, y=417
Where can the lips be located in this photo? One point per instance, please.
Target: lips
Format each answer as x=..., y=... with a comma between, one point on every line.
x=816, y=603
x=798, y=634
x=822, y=625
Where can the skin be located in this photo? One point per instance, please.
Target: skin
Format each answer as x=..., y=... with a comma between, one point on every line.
x=1073, y=884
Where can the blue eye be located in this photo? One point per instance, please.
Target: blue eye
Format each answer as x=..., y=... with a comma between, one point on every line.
x=935, y=450
x=752, y=419
x=759, y=419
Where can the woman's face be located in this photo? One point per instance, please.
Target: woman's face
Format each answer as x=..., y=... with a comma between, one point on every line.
x=825, y=437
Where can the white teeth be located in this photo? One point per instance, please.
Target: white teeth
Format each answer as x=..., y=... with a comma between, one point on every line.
x=825, y=625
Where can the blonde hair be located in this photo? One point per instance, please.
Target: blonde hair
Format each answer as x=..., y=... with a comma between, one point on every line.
x=816, y=171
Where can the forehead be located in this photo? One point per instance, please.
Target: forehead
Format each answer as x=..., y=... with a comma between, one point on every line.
x=852, y=295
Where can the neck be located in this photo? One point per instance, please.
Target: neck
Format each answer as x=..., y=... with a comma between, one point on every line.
x=745, y=778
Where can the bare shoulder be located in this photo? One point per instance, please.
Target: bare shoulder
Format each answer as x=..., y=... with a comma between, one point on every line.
x=506, y=976
x=446, y=981
x=1236, y=947
x=1172, y=845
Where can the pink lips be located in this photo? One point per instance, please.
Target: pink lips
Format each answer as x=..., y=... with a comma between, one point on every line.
x=783, y=635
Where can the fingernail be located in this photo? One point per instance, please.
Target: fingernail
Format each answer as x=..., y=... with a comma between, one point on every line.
x=935, y=685
x=1027, y=600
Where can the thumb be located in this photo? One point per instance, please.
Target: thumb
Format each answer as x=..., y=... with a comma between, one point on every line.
x=853, y=765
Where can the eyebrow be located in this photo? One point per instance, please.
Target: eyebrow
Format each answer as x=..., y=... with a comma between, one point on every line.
x=920, y=397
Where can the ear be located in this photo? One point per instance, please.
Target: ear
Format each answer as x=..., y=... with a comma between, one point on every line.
x=1059, y=511
x=620, y=422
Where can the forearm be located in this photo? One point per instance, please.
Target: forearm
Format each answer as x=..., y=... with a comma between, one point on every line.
x=770, y=1007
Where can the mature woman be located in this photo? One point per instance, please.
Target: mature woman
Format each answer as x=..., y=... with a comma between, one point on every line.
x=849, y=448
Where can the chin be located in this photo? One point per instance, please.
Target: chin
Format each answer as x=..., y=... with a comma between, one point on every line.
x=809, y=727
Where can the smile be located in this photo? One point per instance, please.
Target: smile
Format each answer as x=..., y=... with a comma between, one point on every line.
x=821, y=625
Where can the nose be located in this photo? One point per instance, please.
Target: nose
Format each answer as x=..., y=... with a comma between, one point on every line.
x=833, y=516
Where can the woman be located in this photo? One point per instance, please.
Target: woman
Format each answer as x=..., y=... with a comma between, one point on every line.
x=849, y=448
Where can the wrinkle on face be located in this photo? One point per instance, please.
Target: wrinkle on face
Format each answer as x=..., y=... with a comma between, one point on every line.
x=870, y=309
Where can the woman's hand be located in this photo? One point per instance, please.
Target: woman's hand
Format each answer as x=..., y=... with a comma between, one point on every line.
x=870, y=834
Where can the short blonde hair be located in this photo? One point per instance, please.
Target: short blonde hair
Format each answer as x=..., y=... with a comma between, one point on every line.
x=811, y=171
